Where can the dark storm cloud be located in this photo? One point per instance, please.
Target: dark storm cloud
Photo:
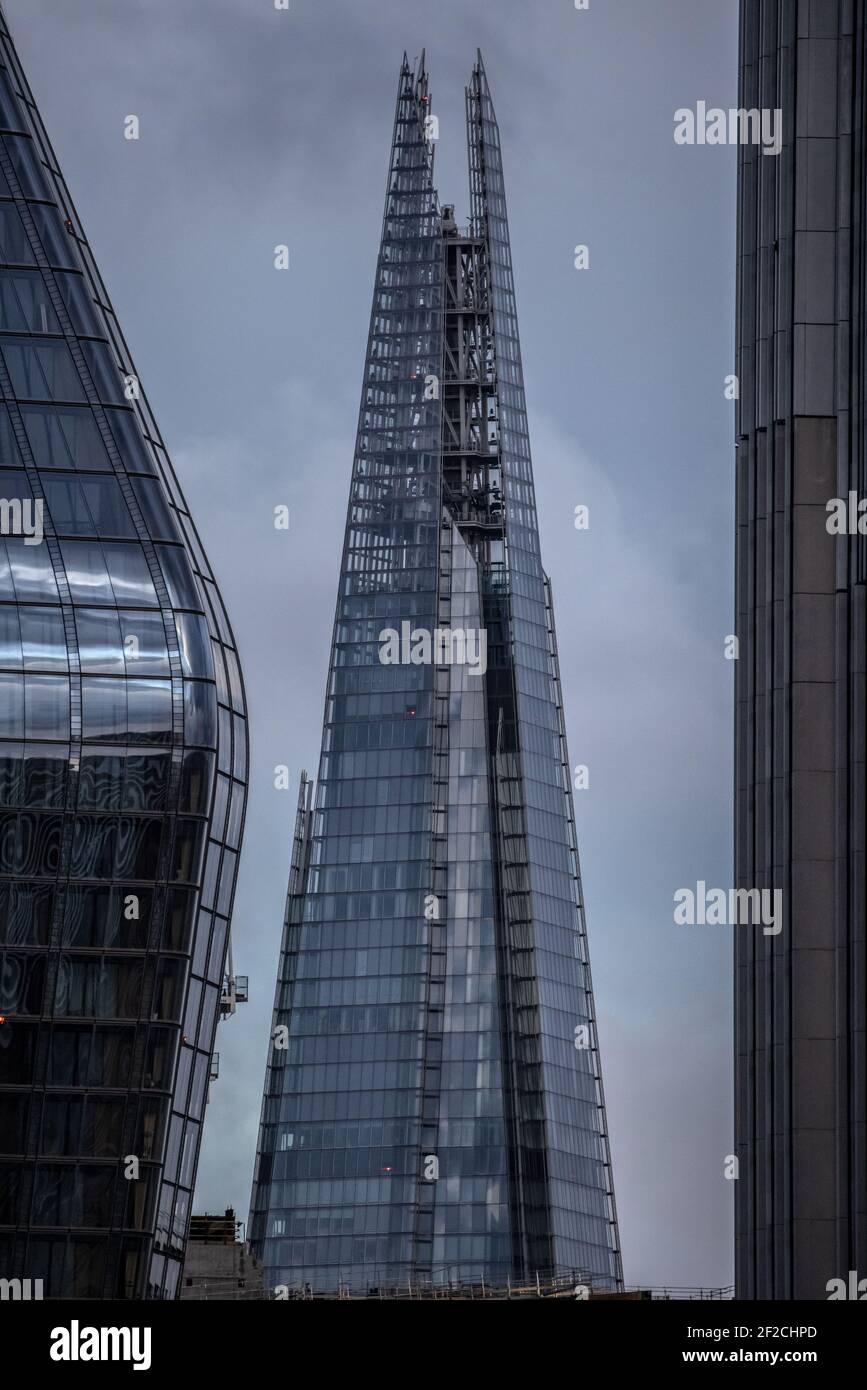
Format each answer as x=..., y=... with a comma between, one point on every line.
x=261, y=127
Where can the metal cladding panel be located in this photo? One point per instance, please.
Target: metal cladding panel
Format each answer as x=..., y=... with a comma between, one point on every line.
x=801, y=1195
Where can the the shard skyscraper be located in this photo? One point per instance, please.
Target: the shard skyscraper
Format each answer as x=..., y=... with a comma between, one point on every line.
x=433, y=1104
x=123, y=758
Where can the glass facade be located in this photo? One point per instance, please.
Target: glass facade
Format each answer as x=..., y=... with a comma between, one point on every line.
x=433, y=1104
x=123, y=762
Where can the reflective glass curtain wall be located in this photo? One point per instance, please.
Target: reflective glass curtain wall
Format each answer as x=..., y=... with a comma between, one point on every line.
x=427, y=1113
x=336, y=1173
x=560, y=1134
x=123, y=760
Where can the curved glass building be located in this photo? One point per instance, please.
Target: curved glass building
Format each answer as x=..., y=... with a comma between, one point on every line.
x=123, y=764
x=433, y=1106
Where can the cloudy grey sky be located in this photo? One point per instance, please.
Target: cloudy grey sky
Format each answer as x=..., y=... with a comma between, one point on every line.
x=261, y=127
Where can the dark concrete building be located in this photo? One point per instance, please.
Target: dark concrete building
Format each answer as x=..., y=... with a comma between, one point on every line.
x=218, y=1265
x=801, y=614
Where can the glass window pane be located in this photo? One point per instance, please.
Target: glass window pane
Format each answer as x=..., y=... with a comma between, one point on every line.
x=188, y=1161
x=200, y=713
x=194, y=643
x=30, y=911
x=95, y=916
x=180, y=918
x=145, y=786
x=25, y=306
x=107, y=375
x=150, y=710
x=133, y=448
x=227, y=882
x=67, y=507
x=12, y=318
x=11, y=706
x=43, y=639
x=65, y=437
x=11, y=114
x=144, y=643
x=93, y=846
x=44, y=781
x=22, y=983
x=7, y=588
x=14, y=243
x=137, y=850
x=47, y=440
x=233, y=833
x=181, y=585
x=99, y=640
x=221, y=802
x=46, y=707
x=209, y=1016
x=103, y=708
x=235, y=682
x=130, y=576
x=84, y=440
x=239, y=766
x=169, y=991
x=42, y=371
x=100, y=781
x=196, y=778
x=28, y=166
x=86, y=572
x=107, y=506
x=155, y=509
x=59, y=244
x=87, y=506
x=61, y=1125
x=10, y=637
x=10, y=454
x=200, y=1081
x=188, y=850
x=11, y=758
x=80, y=306
x=223, y=692
x=32, y=573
